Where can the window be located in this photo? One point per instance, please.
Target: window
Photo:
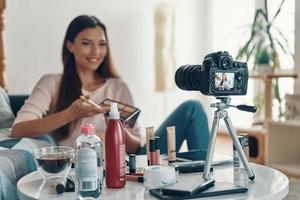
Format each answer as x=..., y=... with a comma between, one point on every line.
x=230, y=25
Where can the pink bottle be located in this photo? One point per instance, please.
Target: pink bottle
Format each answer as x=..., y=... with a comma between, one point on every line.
x=115, y=150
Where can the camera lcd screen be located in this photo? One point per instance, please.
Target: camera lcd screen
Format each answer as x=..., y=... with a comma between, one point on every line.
x=224, y=81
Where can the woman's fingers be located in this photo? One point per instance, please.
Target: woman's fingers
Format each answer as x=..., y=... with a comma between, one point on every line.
x=81, y=108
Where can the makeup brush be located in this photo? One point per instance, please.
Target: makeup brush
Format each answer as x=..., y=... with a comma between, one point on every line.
x=90, y=102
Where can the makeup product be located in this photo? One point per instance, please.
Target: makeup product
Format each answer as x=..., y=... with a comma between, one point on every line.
x=237, y=162
x=132, y=167
x=153, y=158
x=157, y=151
x=90, y=102
x=245, y=144
x=115, y=150
x=137, y=174
x=60, y=187
x=238, y=166
x=171, y=136
x=139, y=179
x=128, y=113
x=65, y=186
x=149, y=134
x=158, y=176
x=88, y=165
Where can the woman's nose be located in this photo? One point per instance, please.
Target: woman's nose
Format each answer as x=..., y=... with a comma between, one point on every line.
x=95, y=49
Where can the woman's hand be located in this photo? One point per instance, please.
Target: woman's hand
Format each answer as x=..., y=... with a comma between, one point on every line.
x=80, y=109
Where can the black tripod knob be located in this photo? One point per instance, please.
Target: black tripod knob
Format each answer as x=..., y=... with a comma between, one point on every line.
x=247, y=108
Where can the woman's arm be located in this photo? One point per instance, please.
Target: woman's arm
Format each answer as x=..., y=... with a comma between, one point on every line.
x=132, y=142
x=38, y=127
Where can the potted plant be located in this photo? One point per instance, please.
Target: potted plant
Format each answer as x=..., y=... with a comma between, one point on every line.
x=263, y=46
x=263, y=61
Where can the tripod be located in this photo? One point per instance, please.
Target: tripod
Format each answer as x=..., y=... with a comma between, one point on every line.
x=219, y=114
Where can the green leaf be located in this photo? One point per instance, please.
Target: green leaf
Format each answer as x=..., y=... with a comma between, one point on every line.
x=278, y=11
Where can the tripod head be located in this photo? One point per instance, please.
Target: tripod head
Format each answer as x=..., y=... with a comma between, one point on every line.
x=225, y=103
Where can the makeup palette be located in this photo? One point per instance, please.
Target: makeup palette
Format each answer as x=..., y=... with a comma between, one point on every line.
x=128, y=113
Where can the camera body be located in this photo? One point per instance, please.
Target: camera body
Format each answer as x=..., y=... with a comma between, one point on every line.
x=219, y=75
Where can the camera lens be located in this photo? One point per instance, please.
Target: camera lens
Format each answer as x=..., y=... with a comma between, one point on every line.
x=187, y=77
x=195, y=77
x=180, y=77
x=226, y=62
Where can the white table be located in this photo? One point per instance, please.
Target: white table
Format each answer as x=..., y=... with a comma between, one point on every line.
x=269, y=184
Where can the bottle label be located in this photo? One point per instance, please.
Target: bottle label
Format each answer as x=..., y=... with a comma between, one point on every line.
x=86, y=169
x=122, y=161
x=236, y=159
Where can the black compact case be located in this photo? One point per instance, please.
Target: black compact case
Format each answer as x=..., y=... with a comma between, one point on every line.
x=184, y=188
x=219, y=188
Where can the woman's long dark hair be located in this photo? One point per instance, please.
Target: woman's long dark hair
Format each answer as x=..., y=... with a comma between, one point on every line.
x=70, y=86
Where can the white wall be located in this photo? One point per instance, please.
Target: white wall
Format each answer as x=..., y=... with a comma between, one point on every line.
x=34, y=30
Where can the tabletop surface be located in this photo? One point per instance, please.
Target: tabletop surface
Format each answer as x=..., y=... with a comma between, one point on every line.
x=268, y=184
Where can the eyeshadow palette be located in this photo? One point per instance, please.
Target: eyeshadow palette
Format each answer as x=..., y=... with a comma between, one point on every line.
x=128, y=113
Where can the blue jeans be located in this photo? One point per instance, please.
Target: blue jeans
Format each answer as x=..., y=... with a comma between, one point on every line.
x=191, y=125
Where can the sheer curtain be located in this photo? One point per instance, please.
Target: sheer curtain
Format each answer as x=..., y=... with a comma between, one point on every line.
x=2, y=66
x=164, y=44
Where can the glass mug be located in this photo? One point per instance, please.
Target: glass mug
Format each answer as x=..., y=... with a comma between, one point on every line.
x=54, y=162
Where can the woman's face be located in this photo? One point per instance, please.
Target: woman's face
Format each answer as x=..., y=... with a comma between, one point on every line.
x=224, y=76
x=89, y=48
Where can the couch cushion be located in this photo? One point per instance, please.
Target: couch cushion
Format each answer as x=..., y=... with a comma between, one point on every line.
x=14, y=165
x=16, y=161
x=6, y=115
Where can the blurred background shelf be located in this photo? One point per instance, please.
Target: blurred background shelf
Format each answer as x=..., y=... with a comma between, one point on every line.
x=283, y=149
x=267, y=79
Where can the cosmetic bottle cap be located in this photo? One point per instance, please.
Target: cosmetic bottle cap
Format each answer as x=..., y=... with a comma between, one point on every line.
x=60, y=187
x=87, y=129
x=157, y=142
x=114, y=113
x=152, y=144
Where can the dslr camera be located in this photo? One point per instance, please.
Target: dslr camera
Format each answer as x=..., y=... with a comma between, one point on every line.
x=219, y=75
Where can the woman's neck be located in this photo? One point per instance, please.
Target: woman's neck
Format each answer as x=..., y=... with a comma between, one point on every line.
x=90, y=80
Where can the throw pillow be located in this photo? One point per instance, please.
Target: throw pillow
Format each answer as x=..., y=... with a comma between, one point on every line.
x=6, y=115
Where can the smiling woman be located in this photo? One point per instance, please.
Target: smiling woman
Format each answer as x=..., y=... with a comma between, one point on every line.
x=55, y=105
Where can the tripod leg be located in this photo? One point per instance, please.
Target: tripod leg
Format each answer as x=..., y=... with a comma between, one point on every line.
x=211, y=145
x=237, y=145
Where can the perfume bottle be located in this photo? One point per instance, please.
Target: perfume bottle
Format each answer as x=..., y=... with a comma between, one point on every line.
x=238, y=166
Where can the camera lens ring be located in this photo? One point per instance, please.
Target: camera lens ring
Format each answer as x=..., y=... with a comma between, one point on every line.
x=180, y=77
x=188, y=77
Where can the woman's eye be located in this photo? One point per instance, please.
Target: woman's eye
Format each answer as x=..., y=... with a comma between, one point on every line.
x=102, y=44
x=85, y=43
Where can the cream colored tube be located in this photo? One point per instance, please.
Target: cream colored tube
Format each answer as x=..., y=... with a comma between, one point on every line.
x=171, y=143
x=149, y=135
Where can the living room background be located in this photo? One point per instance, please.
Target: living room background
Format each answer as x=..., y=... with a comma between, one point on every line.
x=33, y=38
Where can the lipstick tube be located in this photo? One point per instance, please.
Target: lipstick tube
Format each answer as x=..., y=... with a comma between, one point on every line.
x=153, y=158
x=149, y=134
x=139, y=179
x=132, y=165
x=157, y=151
x=171, y=137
